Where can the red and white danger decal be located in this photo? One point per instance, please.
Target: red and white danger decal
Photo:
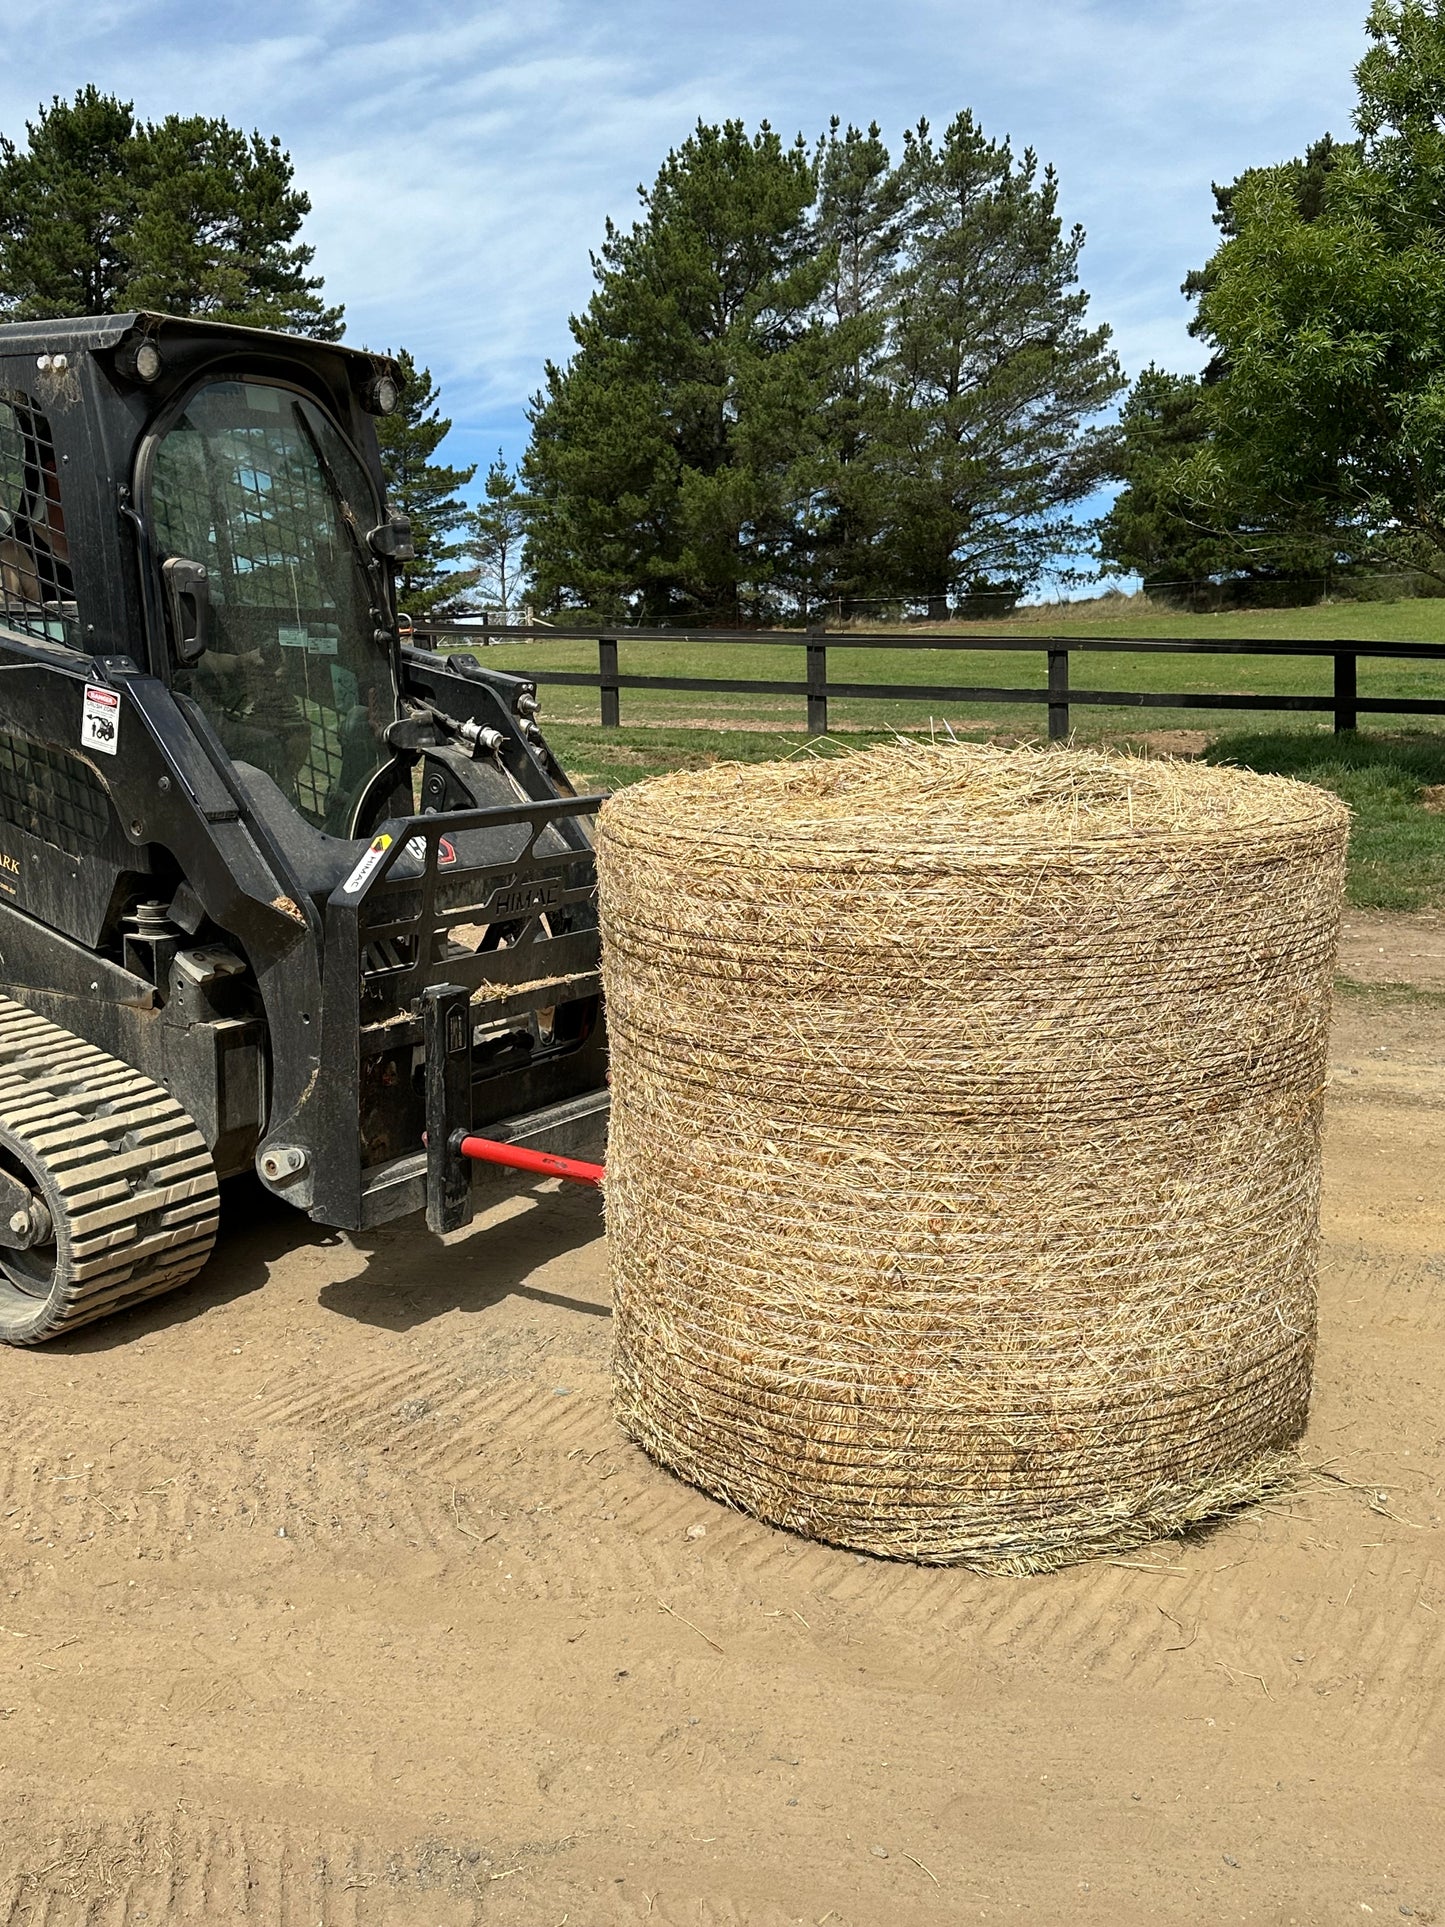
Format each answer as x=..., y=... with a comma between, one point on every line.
x=100, y=720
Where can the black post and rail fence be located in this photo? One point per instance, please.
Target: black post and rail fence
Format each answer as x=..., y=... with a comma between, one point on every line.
x=1060, y=695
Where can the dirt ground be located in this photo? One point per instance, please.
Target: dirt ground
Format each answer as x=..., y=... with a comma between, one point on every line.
x=1382, y=947
x=330, y=1594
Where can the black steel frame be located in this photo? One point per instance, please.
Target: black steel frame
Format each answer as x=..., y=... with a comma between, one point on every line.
x=407, y=903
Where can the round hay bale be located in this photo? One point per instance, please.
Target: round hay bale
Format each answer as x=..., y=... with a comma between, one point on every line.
x=964, y=1169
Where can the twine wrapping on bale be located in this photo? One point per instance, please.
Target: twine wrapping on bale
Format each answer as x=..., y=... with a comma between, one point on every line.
x=963, y=1179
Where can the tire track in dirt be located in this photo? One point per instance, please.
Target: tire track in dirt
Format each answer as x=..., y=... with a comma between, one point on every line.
x=535, y=1460
x=1377, y=1656
x=559, y=1470
x=558, y=1477
x=1405, y=1295
x=168, y=1502
x=182, y=1868
x=1098, y=1626
x=663, y=1911
x=433, y=1417
x=425, y=1471
x=559, y=1485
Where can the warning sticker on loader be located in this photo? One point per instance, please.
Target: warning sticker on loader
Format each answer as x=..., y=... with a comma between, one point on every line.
x=100, y=720
x=378, y=849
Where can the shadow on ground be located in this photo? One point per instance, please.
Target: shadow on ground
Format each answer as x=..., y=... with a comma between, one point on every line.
x=256, y=1231
x=412, y=1278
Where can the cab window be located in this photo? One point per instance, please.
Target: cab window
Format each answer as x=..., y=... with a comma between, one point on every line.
x=37, y=591
x=258, y=486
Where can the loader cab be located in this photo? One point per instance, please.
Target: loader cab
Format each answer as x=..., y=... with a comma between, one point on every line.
x=261, y=518
x=262, y=535
x=207, y=500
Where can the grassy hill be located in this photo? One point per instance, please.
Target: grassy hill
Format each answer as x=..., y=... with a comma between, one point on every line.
x=1382, y=771
x=1416, y=619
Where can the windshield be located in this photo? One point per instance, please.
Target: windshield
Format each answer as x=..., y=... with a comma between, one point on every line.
x=257, y=483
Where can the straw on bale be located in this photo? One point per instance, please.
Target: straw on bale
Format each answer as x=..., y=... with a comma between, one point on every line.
x=964, y=1167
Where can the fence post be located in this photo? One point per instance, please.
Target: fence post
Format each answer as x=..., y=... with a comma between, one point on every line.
x=1345, y=693
x=817, y=689
x=1058, y=695
x=607, y=680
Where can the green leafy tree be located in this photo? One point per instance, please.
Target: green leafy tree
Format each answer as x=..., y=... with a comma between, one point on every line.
x=992, y=369
x=99, y=213
x=499, y=537
x=1324, y=311
x=1161, y=526
x=1305, y=180
x=1158, y=528
x=673, y=459
x=426, y=491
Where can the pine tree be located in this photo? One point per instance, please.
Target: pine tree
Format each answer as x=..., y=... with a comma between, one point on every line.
x=215, y=229
x=673, y=459
x=66, y=203
x=992, y=370
x=100, y=213
x=808, y=377
x=858, y=224
x=426, y=491
x=499, y=535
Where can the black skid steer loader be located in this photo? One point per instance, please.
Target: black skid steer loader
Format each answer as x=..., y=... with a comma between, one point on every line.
x=278, y=891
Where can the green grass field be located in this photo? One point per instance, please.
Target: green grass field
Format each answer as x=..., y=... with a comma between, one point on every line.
x=1397, y=846
x=1129, y=619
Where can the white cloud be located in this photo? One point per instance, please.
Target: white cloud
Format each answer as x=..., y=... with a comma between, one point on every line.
x=462, y=158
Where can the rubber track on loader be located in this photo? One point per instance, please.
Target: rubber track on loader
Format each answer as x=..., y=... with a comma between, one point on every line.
x=128, y=1179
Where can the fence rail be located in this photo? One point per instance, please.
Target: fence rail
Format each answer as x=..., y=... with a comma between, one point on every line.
x=1344, y=703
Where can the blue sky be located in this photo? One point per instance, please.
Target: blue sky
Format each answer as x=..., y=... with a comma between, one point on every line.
x=463, y=158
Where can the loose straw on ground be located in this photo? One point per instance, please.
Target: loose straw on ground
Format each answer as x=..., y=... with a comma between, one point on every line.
x=964, y=1166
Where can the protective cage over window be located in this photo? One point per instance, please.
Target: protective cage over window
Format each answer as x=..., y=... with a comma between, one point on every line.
x=256, y=484
x=37, y=592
